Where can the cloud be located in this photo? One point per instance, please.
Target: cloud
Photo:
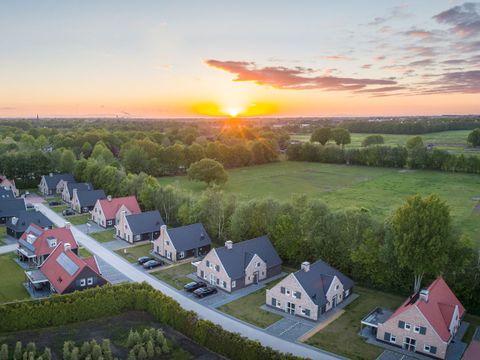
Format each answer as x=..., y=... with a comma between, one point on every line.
x=471, y=46
x=418, y=33
x=396, y=12
x=464, y=19
x=422, y=62
x=337, y=57
x=466, y=82
x=421, y=50
x=297, y=78
x=366, y=66
x=381, y=89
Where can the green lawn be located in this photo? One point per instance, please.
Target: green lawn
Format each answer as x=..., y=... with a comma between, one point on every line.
x=134, y=252
x=380, y=190
x=341, y=336
x=104, y=236
x=474, y=322
x=59, y=208
x=3, y=233
x=454, y=141
x=78, y=219
x=84, y=252
x=176, y=275
x=12, y=276
x=248, y=308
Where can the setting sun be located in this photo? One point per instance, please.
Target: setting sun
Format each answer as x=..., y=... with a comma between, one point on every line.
x=233, y=111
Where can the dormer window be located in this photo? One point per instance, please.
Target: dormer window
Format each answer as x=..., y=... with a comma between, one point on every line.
x=258, y=264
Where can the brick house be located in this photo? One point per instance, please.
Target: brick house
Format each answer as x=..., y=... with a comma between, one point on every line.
x=54, y=183
x=67, y=192
x=64, y=272
x=106, y=212
x=311, y=291
x=139, y=227
x=36, y=244
x=426, y=322
x=83, y=201
x=8, y=184
x=17, y=225
x=235, y=266
x=183, y=242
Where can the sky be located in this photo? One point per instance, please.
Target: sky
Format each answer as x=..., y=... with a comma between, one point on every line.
x=239, y=58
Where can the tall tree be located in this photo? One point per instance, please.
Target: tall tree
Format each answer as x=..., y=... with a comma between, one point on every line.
x=341, y=136
x=422, y=234
x=209, y=171
x=321, y=135
x=474, y=137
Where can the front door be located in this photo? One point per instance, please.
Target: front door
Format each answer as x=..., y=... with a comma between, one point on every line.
x=409, y=344
x=334, y=301
x=291, y=308
x=212, y=279
x=255, y=277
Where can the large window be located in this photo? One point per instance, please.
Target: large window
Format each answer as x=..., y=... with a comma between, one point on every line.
x=90, y=281
x=82, y=282
x=234, y=284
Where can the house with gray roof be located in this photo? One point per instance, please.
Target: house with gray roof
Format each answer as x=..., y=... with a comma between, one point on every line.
x=189, y=241
x=139, y=227
x=84, y=201
x=67, y=192
x=52, y=184
x=311, y=291
x=6, y=193
x=235, y=266
x=18, y=224
x=10, y=208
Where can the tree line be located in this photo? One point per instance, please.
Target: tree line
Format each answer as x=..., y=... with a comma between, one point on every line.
x=113, y=300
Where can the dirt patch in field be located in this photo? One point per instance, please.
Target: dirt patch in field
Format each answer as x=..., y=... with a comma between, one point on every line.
x=114, y=328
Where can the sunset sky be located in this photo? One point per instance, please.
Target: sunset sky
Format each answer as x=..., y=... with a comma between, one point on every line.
x=272, y=58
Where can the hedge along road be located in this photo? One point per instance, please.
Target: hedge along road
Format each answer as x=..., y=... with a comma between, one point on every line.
x=225, y=321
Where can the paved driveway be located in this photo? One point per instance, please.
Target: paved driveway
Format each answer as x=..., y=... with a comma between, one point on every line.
x=5, y=249
x=290, y=329
x=203, y=312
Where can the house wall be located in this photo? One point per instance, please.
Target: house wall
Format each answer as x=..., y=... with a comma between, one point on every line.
x=66, y=195
x=122, y=229
x=75, y=204
x=413, y=317
x=120, y=211
x=335, y=290
x=256, y=266
x=213, y=276
x=291, y=286
x=60, y=186
x=163, y=245
x=43, y=188
x=98, y=216
x=85, y=274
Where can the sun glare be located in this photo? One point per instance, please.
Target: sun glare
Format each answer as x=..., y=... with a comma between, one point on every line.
x=233, y=111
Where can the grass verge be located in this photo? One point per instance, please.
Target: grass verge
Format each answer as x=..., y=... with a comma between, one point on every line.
x=12, y=277
x=176, y=275
x=131, y=254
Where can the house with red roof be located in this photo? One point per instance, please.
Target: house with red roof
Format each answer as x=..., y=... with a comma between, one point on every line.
x=8, y=184
x=107, y=212
x=426, y=322
x=36, y=243
x=64, y=272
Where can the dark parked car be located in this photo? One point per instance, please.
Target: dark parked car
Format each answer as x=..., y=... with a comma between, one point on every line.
x=205, y=291
x=150, y=264
x=54, y=203
x=68, y=212
x=142, y=260
x=194, y=285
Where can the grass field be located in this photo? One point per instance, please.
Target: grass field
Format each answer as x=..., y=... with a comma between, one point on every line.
x=453, y=141
x=134, y=252
x=3, y=233
x=248, y=308
x=78, y=219
x=103, y=236
x=380, y=190
x=11, y=287
x=176, y=275
x=341, y=336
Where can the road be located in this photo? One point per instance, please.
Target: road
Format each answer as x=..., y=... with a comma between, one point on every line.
x=219, y=318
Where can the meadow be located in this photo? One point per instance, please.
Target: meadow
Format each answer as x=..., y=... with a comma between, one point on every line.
x=453, y=141
x=380, y=190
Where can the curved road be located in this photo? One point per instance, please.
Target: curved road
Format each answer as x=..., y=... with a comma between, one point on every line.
x=227, y=322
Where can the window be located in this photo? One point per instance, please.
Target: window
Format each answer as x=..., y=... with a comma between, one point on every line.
x=347, y=292
x=274, y=302
x=408, y=327
x=208, y=263
x=423, y=330
x=426, y=348
x=224, y=284
x=167, y=243
x=393, y=339
x=202, y=274
x=90, y=281
x=258, y=264
x=234, y=283
x=386, y=336
x=416, y=329
x=217, y=267
x=336, y=287
x=433, y=349
x=306, y=312
x=282, y=290
x=82, y=282
x=297, y=295
x=181, y=255
x=287, y=292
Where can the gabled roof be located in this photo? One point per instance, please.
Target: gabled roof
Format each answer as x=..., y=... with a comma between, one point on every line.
x=61, y=267
x=79, y=186
x=4, y=181
x=438, y=310
x=111, y=207
x=43, y=242
x=236, y=259
x=11, y=207
x=88, y=198
x=189, y=237
x=24, y=218
x=6, y=193
x=146, y=222
x=318, y=279
x=53, y=179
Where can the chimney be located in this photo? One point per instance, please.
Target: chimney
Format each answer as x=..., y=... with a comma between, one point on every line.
x=163, y=230
x=424, y=295
x=306, y=266
x=109, y=197
x=229, y=244
x=202, y=235
x=31, y=238
x=51, y=174
x=67, y=247
x=67, y=224
x=14, y=220
x=74, y=191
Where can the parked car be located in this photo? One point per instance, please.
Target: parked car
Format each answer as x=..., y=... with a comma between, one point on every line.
x=142, y=260
x=150, y=264
x=194, y=285
x=68, y=212
x=205, y=291
x=54, y=203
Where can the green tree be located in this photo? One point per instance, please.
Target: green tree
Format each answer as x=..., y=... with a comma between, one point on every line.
x=373, y=140
x=474, y=137
x=341, y=136
x=135, y=160
x=321, y=135
x=414, y=141
x=207, y=170
x=87, y=149
x=67, y=161
x=17, y=354
x=4, y=352
x=422, y=233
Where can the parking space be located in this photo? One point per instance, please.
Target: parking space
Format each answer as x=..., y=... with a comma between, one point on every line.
x=110, y=273
x=290, y=328
x=90, y=228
